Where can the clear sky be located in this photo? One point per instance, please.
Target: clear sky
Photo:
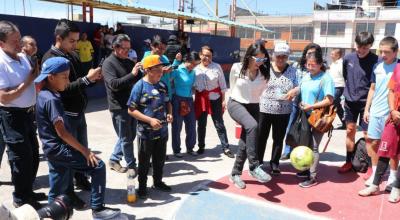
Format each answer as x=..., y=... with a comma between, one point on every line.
x=37, y=8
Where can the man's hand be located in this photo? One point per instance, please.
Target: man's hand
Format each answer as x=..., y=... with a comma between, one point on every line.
x=169, y=118
x=94, y=74
x=91, y=158
x=167, y=69
x=155, y=124
x=136, y=68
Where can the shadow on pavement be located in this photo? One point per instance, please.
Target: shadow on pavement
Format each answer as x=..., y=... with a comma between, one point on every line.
x=155, y=198
x=331, y=157
x=175, y=169
x=319, y=207
x=41, y=182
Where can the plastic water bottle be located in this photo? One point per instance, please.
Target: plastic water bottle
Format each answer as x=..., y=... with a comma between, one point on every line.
x=131, y=191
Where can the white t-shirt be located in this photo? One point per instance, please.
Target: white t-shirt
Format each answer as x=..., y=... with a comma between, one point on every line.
x=12, y=74
x=210, y=78
x=336, y=71
x=244, y=90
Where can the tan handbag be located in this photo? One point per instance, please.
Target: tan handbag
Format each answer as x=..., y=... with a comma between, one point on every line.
x=321, y=119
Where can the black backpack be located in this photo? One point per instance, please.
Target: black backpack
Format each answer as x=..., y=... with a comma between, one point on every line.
x=361, y=160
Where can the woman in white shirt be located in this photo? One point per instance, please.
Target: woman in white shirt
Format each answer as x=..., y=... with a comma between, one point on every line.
x=276, y=105
x=210, y=88
x=336, y=71
x=248, y=81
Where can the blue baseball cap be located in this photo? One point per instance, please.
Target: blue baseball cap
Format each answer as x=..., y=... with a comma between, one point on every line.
x=53, y=66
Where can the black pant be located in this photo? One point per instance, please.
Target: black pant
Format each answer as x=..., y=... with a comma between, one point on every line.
x=279, y=124
x=22, y=148
x=216, y=108
x=156, y=150
x=246, y=115
x=338, y=105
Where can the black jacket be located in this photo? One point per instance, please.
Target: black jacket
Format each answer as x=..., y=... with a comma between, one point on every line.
x=74, y=97
x=173, y=47
x=118, y=80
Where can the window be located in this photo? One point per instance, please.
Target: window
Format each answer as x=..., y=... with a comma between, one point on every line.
x=244, y=33
x=390, y=29
x=334, y=29
x=369, y=27
x=302, y=33
x=276, y=34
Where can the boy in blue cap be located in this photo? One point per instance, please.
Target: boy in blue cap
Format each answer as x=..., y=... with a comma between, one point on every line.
x=63, y=151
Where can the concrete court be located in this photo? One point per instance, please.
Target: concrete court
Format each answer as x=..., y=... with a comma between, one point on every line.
x=183, y=175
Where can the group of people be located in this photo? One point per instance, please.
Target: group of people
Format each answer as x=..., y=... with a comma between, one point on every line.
x=169, y=86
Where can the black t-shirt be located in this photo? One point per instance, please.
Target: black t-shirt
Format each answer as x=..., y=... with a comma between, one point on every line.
x=357, y=73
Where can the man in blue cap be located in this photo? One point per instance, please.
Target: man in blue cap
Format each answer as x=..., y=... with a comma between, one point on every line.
x=63, y=150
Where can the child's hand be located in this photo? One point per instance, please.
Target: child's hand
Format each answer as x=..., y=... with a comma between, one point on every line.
x=169, y=118
x=92, y=159
x=155, y=124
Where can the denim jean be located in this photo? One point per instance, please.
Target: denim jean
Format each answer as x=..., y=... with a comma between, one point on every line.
x=190, y=124
x=76, y=125
x=125, y=127
x=22, y=148
x=293, y=115
x=216, y=108
x=69, y=159
x=246, y=115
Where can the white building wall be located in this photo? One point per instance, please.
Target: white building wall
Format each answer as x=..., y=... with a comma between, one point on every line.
x=382, y=16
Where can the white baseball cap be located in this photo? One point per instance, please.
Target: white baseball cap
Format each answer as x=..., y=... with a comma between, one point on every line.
x=281, y=49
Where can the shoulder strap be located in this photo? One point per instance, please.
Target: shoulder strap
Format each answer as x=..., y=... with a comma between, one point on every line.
x=329, y=139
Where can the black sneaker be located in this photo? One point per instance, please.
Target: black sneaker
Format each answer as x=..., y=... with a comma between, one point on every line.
x=228, y=153
x=275, y=169
x=162, y=187
x=77, y=203
x=303, y=174
x=200, y=150
x=308, y=183
x=35, y=204
x=105, y=213
x=142, y=193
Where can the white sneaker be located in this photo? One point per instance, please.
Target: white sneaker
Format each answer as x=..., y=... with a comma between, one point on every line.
x=394, y=195
x=370, y=190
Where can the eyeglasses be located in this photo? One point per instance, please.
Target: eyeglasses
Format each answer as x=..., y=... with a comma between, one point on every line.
x=260, y=60
x=125, y=48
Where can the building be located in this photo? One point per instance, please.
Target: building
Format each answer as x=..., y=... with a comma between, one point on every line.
x=336, y=27
x=296, y=30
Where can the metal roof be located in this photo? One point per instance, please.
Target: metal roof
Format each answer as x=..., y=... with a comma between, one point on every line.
x=154, y=11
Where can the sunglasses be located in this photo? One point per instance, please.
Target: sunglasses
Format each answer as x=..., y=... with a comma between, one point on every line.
x=260, y=60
